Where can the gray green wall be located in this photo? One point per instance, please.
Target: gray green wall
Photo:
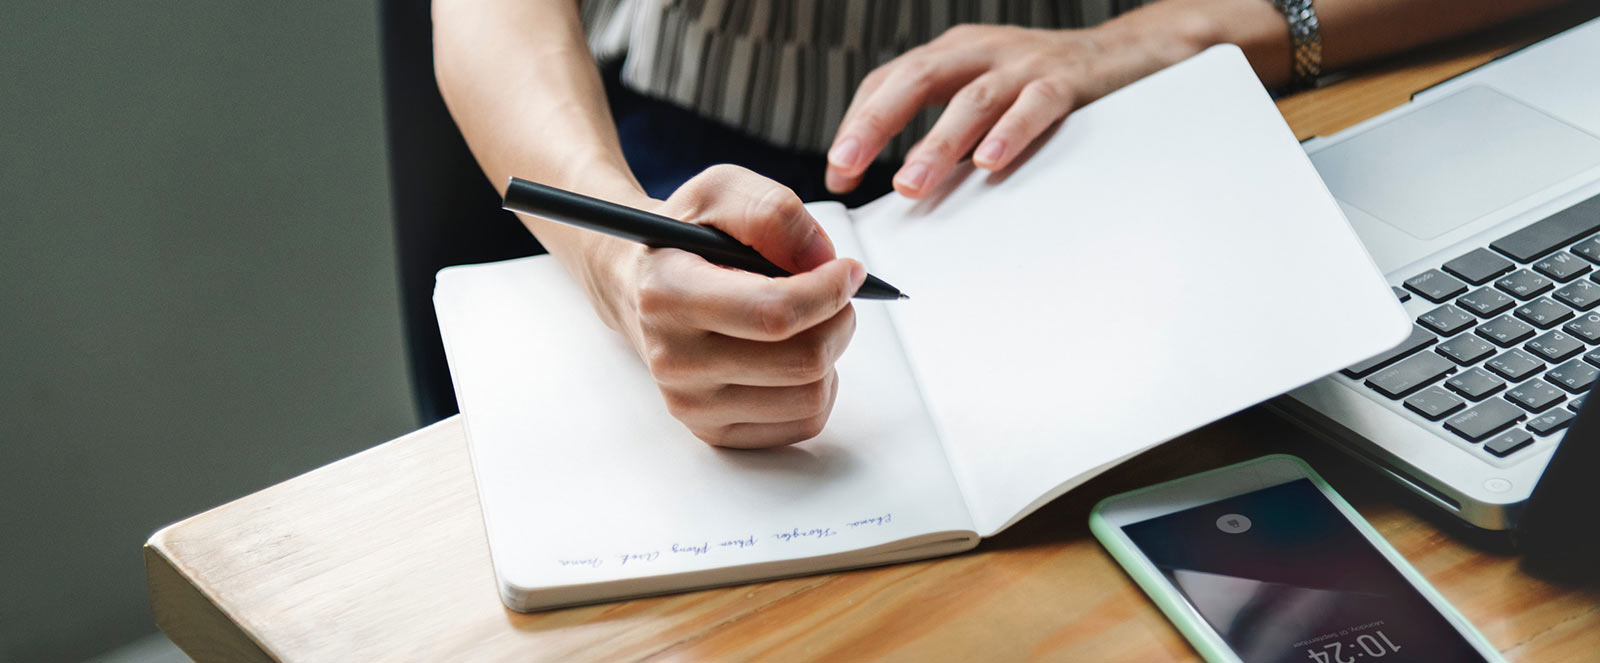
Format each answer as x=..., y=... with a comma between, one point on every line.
x=197, y=294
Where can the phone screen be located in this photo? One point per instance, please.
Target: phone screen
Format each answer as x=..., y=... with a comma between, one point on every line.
x=1283, y=576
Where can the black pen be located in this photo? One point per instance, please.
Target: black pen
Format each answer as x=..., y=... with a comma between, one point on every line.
x=656, y=231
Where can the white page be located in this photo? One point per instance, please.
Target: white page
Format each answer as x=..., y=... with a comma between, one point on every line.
x=1168, y=257
x=584, y=477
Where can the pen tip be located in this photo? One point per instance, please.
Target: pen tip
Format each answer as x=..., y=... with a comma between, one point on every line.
x=905, y=296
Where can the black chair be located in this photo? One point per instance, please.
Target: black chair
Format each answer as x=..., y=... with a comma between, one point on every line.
x=445, y=211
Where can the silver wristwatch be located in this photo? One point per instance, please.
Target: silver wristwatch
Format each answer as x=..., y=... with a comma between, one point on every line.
x=1305, y=42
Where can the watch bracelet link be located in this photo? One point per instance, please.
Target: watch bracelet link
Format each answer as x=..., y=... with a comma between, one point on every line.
x=1305, y=42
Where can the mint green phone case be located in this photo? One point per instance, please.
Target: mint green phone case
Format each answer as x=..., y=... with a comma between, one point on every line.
x=1200, y=635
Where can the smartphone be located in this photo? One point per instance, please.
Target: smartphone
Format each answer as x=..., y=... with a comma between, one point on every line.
x=1262, y=562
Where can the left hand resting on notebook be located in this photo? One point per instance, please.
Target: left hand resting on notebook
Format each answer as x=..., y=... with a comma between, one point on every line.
x=1002, y=84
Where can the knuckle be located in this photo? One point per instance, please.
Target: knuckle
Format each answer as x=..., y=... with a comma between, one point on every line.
x=722, y=171
x=811, y=363
x=962, y=32
x=842, y=293
x=721, y=436
x=848, y=329
x=813, y=426
x=663, y=363
x=813, y=400
x=775, y=317
x=980, y=96
x=873, y=78
x=919, y=73
x=655, y=298
x=1035, y=64
x=680, y=405
x=1051, y=90
x=937, y=146
x=776, y=204
x=875, y=123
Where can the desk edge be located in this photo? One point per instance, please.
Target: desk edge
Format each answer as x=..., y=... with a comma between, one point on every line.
x=190, y=619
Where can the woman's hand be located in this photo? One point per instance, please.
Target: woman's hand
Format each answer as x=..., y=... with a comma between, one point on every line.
x=743, y=360
x=1002, y=87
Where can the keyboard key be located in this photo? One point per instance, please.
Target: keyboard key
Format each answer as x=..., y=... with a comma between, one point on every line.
x=1533, y=242
x=1576, y=404
x=1515, y=365
x=1485, y=419
x=1465, y=349
x=1508, y=442
x=1404, y=296
x=1593, y=357
x=1551, y=421
x=1475, y=383
x=1478, y=266
x=1586, y=327
x=1524, y=284
x=1488, y=302
x=1505, y=331
x=1400, y=380
x=1437, y=286
x=1420, y=338
x=1555, y=347
x=1535, y=396
x=1582, y=295
x=1562, y=266
x=1574, y=376
x=1448, y=320
x=1589, y=249
x=1544, y=313
x=1434, y=403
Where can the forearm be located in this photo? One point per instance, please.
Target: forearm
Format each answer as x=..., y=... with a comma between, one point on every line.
x=1353, y=31
x=520, y=82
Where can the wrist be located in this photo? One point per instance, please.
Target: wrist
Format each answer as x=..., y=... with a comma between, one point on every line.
x=1255, y=26
x=1169, y=31
x=601, y=265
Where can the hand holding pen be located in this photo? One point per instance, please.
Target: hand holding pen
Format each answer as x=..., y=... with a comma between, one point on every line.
x=743, y=359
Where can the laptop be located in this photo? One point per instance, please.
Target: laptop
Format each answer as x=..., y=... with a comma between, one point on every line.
x=1480, y=201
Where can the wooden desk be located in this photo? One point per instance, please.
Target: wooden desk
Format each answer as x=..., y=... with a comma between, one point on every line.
x=382, y=556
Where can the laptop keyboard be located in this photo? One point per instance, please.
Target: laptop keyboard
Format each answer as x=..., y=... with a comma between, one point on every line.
x=1513, y=346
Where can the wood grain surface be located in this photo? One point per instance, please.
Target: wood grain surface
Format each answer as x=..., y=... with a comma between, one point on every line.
x=382, y=556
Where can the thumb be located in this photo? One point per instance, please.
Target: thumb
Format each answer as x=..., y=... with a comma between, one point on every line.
x=777, y=225
x=762, y=214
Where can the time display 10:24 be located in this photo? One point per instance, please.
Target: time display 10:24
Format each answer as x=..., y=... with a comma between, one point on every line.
x=1375, y=644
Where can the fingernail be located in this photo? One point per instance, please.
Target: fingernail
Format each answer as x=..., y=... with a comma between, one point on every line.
x=990, y=151
x=912, y=177
x=858, y=274
x=845, y=154
x=817, y=250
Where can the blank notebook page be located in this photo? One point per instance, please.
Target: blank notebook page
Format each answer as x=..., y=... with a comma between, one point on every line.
x=1168, y=257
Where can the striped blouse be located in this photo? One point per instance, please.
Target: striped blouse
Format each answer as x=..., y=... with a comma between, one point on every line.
x=784, y=70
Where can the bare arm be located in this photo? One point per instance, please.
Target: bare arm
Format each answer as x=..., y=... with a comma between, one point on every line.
x=520, y=82
x=742, y=360
x=1002, y=87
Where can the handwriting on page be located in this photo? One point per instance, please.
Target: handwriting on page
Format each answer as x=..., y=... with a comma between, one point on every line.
x=699, y=548
x=813, y=533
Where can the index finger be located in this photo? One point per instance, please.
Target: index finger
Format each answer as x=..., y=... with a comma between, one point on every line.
x=751, y=306
x=909, y=84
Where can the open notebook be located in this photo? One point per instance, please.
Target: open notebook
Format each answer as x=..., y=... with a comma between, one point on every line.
x=1166, y=258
